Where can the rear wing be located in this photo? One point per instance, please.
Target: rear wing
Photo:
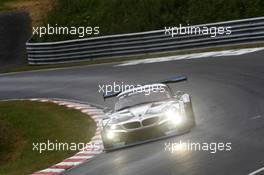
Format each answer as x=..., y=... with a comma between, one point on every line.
x=174, y=79
x=111, y=94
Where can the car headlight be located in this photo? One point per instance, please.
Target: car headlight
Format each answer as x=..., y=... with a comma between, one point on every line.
x=173, y=115
x=110, y=134
x=113, y=127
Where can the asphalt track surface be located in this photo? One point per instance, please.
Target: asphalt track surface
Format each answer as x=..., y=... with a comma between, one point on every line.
x=228, y=100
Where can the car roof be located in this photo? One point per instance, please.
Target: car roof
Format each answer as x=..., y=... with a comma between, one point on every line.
x=137, y=88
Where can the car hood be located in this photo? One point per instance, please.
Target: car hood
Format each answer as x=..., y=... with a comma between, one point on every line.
x=139, y=112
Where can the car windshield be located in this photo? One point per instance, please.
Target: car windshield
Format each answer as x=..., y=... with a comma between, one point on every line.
x=137, y=98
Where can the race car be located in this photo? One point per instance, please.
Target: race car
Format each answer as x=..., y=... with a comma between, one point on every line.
x=145, y=113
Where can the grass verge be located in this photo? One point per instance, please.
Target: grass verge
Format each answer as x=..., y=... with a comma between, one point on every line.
x=127, y=16
x=119, y=16
x=23, y=123
x=38, y=9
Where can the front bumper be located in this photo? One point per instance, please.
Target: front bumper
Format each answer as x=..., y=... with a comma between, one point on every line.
x=163, y=129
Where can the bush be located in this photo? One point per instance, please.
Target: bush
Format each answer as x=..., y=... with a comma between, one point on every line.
x=119, y=16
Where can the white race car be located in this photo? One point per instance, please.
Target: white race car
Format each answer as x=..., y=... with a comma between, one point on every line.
x=146, y=113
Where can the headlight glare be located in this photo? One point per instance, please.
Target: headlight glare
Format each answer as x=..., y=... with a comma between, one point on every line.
x=113, y=127
x=173, y=115
x=110, y=135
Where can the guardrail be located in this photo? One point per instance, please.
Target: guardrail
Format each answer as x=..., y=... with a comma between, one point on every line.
x=243, y=31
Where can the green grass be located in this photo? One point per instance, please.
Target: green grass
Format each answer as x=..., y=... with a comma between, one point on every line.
x=3, y=1
x=24, y=122
x=126, y=16
x=3, y=6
